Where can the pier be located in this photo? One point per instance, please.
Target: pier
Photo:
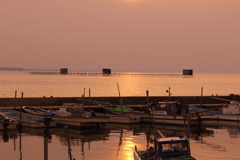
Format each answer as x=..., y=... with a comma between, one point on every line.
x=137, y=101
x=112, y=74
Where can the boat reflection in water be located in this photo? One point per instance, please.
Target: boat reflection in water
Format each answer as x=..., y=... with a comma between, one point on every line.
x=76, y=136
x=68, y=137
x=114, y=141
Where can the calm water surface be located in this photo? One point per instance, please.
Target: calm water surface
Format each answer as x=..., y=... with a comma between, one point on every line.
x=116, y=141
x=73, y=86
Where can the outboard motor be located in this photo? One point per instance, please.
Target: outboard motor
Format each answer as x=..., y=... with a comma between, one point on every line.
x=93, y=113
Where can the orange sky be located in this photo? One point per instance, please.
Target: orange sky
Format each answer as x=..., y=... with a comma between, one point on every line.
x=124, y=35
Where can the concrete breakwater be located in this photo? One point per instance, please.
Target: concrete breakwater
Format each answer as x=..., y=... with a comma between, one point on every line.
x=139, y=100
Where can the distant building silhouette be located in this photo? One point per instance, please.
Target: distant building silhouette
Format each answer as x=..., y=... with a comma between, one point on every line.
x=187, y=72
x=106, y=71
x=63, y=70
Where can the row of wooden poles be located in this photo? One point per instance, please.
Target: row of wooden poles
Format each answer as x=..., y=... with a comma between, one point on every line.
x=46, y=133
x=112, y=74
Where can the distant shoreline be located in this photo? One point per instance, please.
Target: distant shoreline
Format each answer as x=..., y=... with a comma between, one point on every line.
x=12, y=69
x=23, y=69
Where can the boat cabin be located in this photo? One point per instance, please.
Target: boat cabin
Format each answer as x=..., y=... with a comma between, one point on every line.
x=170, y=108
x=167, y=148
x=70, y=110
x=173, y=146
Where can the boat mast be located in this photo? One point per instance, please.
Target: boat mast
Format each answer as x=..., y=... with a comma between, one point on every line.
x=120, y=97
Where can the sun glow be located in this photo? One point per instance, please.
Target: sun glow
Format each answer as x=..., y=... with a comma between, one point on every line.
x=131, y=0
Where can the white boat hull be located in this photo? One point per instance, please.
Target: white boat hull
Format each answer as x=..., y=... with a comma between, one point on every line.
x=127, y=120
x=170, y=120
x=223, y=119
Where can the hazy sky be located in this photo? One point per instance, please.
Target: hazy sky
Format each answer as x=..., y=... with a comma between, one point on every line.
x=124, y=35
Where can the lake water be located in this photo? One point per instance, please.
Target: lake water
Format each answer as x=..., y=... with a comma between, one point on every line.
x=73, y=86
x=115, y=141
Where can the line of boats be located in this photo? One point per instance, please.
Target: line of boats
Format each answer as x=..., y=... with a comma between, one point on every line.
x=76, y=116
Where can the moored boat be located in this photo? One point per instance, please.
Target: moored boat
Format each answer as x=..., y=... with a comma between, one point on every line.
x=35, y=110
x=72, y=115
x=165, y=113
x=30, y=120
x=169, y=113
x=116, y=114
x=115, y=118
x=166, y=148
x=230, y=114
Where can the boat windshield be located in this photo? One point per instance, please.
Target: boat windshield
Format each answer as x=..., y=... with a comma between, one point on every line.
x=174, y=147
x=161, y=106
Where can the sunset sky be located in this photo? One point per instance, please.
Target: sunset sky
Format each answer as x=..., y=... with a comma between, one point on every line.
x=124, y=35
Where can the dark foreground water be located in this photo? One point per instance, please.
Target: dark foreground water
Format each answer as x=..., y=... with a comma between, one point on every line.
x=114, y=141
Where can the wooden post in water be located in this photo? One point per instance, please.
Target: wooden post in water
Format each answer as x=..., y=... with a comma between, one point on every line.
x=188, y=126
x=20, y=144
x=89, y=92
x=20, y=118
x=69, y=148
x=120, y=97
x=169, y=94
x=147, y=93
x=45, y=148
x=83, y=105
x=82, y=100
x=201, y=97
x=15, y=101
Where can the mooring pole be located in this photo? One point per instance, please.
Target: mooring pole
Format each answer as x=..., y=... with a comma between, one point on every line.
x=45, y=142
x=169, y=94
x=89, y=98
x=120, y=98
x=201, y=97
x=188, y=126
x=69, y=148
x=20, y=144
x=15, y=100
x=147, y=108
x=82, y=100
x=47, y=134
x=20, y=118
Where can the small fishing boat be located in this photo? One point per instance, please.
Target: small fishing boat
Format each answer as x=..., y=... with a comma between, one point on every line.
x=119, y=114
x=72, y=115
x=166, y=148
x=69, y=115
x=230, y=115
x=35, y=110
x=198, y=109
x=165, y=113
x=115, y=109
x=70, y=110
x=30, y=120
x=126, y=114
x=168, y=113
